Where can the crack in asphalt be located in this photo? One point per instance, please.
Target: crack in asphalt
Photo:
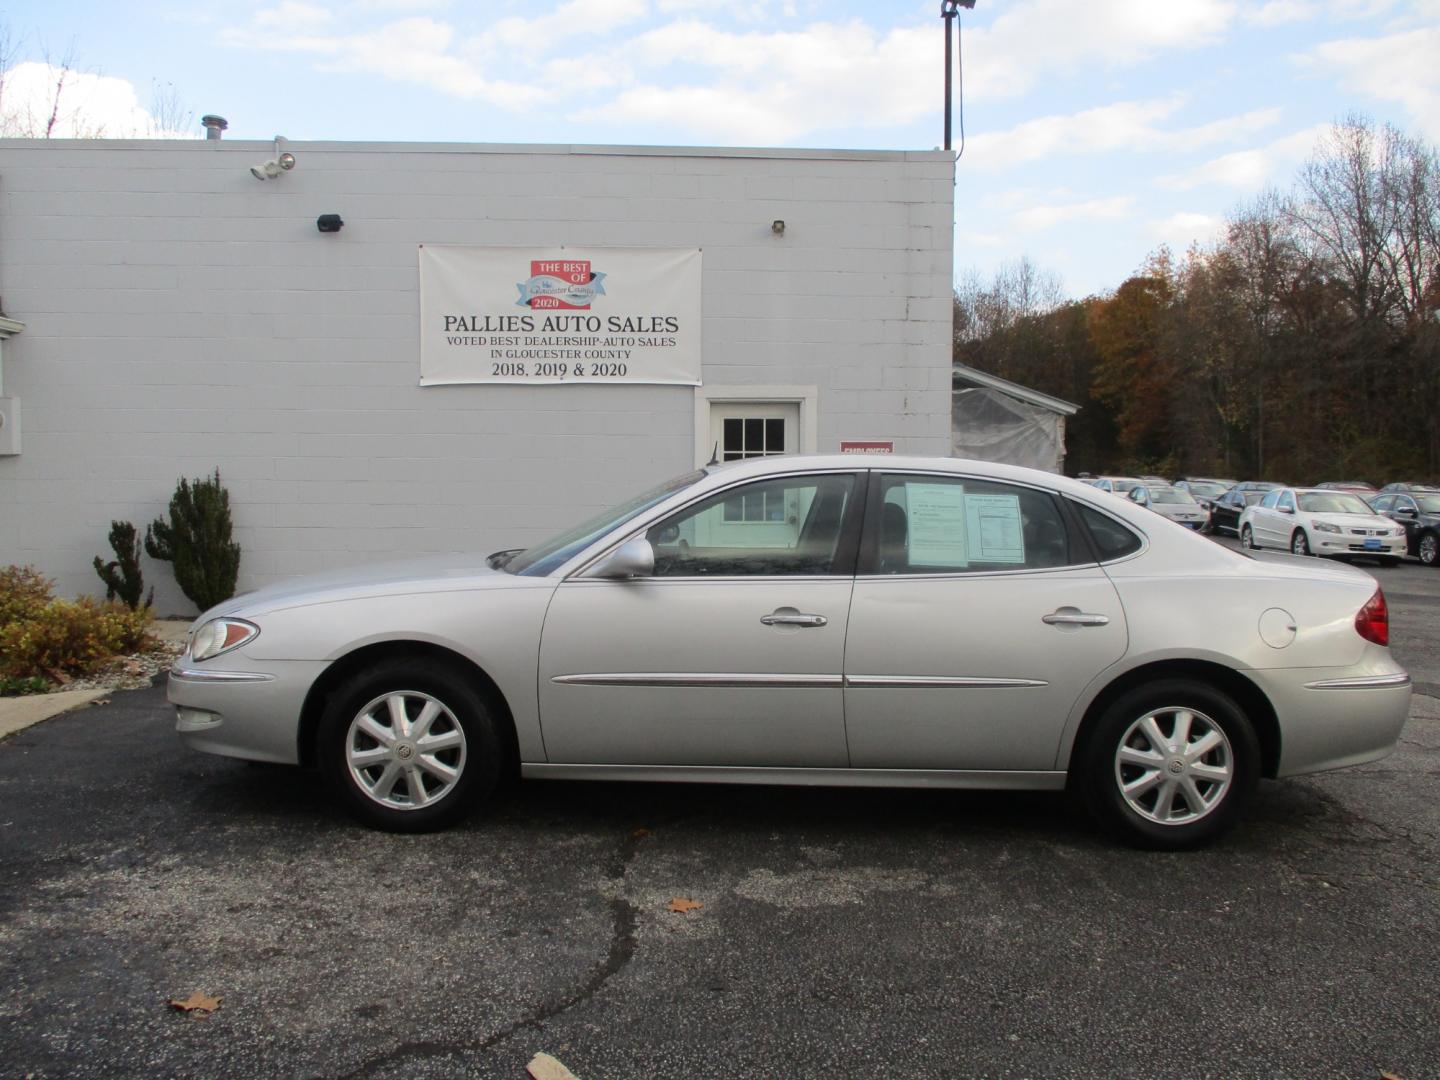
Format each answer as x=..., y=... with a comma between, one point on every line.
x=623, y=919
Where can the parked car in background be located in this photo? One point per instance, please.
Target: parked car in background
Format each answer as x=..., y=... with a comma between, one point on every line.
x=1258, y=485
x=1226, y=510
x=1418, y=513
x=1204, y=489
x=1355, y=487
x=1115, y=485
x=1312, y=521
x=1172, y=503
x=1405, y=486
x=829, y=620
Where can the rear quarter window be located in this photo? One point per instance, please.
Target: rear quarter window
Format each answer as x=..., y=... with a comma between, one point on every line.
x=1110, y=539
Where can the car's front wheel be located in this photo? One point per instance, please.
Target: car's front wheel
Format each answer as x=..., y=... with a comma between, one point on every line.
x=1428, y=549
x=1299, y=543
x=1247, y=538
x=1169, y=765
x=409, y=745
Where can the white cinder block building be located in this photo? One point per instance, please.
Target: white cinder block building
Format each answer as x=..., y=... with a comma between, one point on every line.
x=165, y=313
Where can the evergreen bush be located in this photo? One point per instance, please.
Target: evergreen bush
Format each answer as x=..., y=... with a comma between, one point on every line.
x=197, y=541
x=122, y=577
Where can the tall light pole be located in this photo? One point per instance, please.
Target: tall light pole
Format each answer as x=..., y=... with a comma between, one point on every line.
x=950, y=9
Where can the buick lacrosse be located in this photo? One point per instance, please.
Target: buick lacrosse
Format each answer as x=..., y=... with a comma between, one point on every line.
x=860, y=620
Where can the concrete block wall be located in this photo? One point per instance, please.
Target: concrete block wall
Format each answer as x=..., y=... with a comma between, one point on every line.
x=180, y=315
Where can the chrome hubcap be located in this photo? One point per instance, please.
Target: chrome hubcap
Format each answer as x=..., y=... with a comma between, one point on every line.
x=405, y=750
x=1298, y=545
x=1174, y=766
x=1429, y=550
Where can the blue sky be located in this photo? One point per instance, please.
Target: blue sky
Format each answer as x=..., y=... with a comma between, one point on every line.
x=1095, y=131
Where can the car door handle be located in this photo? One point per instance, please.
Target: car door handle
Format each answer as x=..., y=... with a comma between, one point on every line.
x=1075, y=618
x=795, y=619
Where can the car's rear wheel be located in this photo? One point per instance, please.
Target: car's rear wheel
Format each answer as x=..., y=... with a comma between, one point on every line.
x=409, y=745
x=1170, y=765
x=1299, y=543
x=1428, y=549
x=1247, y=538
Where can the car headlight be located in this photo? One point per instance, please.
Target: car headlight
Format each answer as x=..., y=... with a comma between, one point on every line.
x=221, y=635
x=1324, y=526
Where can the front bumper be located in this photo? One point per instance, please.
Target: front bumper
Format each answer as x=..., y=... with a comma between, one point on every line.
x=239, y=711
x=1331, y=544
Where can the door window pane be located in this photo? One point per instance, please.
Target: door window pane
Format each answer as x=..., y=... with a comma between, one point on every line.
x=938, y=524
x=789, y=525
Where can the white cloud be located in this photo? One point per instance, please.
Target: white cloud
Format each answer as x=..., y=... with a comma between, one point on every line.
x=539, y=34
x=1280, y=12
x=1401, y=68
x=1034, y=40
x=1040, y=218
x=417, y=50
x=764, y=88
x=1250, y=169
x=1180, y=230
x=1126, y=125
x=90, y=106
x=291, y=16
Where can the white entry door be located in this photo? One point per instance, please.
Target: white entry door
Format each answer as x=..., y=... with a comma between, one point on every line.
x=750, y=429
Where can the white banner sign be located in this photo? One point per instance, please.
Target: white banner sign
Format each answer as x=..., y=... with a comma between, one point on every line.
x=553, y=315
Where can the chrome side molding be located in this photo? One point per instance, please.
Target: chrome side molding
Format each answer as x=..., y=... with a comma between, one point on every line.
x=1362, y=682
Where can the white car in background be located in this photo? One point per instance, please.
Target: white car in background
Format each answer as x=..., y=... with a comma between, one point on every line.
x=1116, y=485
x=1314, y=521
x=1169, y=502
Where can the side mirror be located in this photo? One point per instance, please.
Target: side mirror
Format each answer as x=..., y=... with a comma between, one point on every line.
x=1406, y=511
x=633, y=559
x=1286, y=509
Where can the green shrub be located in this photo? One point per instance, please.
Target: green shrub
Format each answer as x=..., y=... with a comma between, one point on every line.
x=122, y=577
x=71, y=636
x=14, y=687
x=197, y=541
x=23, y=591
x=41, y=636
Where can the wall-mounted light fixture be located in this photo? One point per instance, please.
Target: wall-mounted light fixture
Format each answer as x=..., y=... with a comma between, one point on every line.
x=282, y=162
x=329, y=223
x=777, y=227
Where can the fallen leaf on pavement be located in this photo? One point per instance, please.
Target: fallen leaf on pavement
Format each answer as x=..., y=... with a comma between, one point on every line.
x=197, y=1003
x=101, y=701
x=639, y=832
x=545, y=1067
x=682, y=904
x=1388, y=1076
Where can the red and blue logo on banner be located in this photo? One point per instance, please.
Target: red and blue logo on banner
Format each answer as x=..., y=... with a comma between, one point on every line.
x=567, y=285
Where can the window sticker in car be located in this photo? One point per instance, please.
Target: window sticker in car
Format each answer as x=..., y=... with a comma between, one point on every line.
x=937, y=525
x=992, y=524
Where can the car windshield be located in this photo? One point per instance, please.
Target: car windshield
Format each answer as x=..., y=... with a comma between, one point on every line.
x=539, y=560
x=1170, y=495
x=1204, y=487
x=1429, y=504
x=1333, y=502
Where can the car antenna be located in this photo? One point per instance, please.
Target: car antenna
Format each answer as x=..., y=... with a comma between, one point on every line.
x=714, y=456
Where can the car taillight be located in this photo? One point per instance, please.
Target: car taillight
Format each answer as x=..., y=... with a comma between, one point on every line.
x=1372, y=621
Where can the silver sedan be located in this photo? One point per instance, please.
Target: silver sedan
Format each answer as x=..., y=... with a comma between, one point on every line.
x=876, y=621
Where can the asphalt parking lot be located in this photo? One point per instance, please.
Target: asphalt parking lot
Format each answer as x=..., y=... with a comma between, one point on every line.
x=840, y=933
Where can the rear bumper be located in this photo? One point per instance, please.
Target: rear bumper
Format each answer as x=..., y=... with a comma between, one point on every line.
x=1332, y=718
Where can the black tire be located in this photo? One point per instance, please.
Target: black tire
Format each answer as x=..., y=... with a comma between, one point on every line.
x=474, y=758
x=1299, y=543
x=1100, y=772
x=1247, y=538
x=1427, y=548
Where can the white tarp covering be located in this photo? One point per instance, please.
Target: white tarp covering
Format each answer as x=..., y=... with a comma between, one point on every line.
x=992, y=426
x=553, y=315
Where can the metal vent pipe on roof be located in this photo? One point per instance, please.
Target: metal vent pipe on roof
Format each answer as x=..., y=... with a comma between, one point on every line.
x=213, y=125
